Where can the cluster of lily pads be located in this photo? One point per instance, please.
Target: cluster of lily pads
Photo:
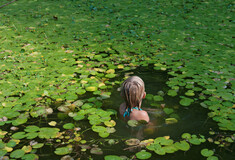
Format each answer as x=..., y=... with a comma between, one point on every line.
x=51, y=55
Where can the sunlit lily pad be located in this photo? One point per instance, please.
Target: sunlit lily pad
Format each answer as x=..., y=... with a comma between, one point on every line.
x=68, y=126
x=30, y=157
x=171, y=120
x=17, y=153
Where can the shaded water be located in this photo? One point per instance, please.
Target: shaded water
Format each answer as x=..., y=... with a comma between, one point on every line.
x=192, y=119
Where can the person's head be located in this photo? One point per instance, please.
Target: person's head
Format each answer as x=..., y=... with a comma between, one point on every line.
x=133, y=91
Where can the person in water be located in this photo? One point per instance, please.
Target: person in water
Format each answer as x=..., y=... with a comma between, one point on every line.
x=133, y=91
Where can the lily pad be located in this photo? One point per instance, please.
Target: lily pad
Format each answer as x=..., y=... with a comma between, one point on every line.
x=207, y=153
x=186, y=101
x=63, y=150
x=97, y=151
x=172, y=93
x=171, y=120
x=68, y=126
x=182, y=145
x=30, y=157
x=132, y=123
x=143, y=155
x=132, y=142
x=212, y=158
x=17, y=153
x=158, y=98
x=112, y=157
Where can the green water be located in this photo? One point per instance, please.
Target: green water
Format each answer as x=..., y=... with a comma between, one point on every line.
x=192, y=119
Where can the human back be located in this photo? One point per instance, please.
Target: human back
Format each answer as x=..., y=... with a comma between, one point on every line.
x=133, y=91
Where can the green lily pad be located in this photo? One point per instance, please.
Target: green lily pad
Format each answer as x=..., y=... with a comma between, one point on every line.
x=186, y=135
x=143, y=155
x=207, y=153
x=112, y=157
x=2, y=153
x=168, y=110
x=172, y=93
x=186, y=101
x=158, y=98
x=182, y=145
x=17, y=153
x=30, y=157
x=68, y=126
x=190, y=93
x=18, y=135
x=91, y=88
x=48, y=133
x=63, y=150
x=132, y=123
x=171, y=120
x=38, y=145
x=31, y=129
x=195, y=141
x=104, y=134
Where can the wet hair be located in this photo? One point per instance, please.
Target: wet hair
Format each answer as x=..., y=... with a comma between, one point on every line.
x=132, y=91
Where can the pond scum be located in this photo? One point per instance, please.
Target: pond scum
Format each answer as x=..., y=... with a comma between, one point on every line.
x=65, y=55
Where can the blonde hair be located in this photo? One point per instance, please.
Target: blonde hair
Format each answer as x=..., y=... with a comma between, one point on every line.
x=132, y=91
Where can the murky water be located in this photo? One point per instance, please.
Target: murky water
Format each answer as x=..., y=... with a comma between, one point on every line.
x=192, y=119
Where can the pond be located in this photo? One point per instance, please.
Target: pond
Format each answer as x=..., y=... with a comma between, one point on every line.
x=192, y=119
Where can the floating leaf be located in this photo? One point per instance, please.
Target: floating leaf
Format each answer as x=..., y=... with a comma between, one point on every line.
x=143, y=155
x=112, y=157
x=31, y=129
x=18, y=135
x=207, y=153
x=132, y=123
x=91, y=88
x=63, y=150
x=182, y=145
x=132, y=142
x=17, y=153
x=111, y=123
x=30, y=157
x=168, y=110
x=171, y=120
x=38, y=145
x=186, y=136
x=68, y=126
x=158, y=98
x=27, y=149
x=52, y=123
x=97, y=151
x=172, y=93
x=186, y=101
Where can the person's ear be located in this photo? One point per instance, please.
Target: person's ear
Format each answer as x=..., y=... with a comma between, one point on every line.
x=144, y=95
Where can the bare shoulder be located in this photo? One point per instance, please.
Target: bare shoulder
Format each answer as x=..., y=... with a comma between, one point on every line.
x=139, y=115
